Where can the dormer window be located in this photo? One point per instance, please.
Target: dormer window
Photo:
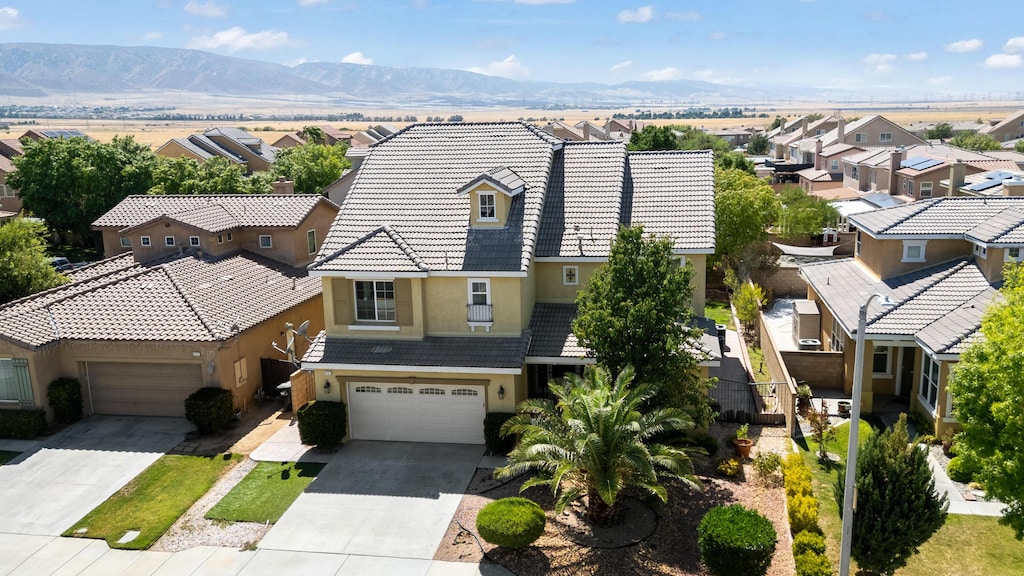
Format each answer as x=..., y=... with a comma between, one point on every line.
x=488, y=208
x=488, y=204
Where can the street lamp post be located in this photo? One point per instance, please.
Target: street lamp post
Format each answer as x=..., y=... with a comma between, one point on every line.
x=851, y=447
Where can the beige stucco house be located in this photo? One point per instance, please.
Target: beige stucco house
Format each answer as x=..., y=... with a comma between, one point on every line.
x=1009, y=128
x=451, y=271
x=199, y=304
x=237, y=146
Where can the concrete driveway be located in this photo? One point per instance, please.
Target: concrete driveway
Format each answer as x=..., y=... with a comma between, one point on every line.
x=392, y=499
x=45, y=491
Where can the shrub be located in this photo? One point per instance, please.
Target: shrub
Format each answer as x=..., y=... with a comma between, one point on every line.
x=729, y=467
x=65, y=396
x=511, y=522
x=926, y=439
x=707, y=442
x=766, y=464
x=492, y=433
x=322, y=423
x=797, y=476
x=803, y=514
x=962, y=468
x=807, y=541
x=209, y=409
x=811, y=564
x=735, y=540
x=22, y=424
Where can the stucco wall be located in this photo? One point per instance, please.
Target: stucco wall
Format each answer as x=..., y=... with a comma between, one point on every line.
x=549, y=280
x=884, y=257
x=819, y=370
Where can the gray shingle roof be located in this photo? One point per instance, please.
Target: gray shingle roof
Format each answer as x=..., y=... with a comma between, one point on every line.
x=551, y=326
x=435, y=351
x=673, y=194
x=939, y=217
x=260, y=210
x=180, y=298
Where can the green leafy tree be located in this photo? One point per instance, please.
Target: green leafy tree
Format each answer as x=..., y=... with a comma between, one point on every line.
x=804, y=215
x=653, y=138
x=24, y=266
x=596, y=441
x=759, y=144
x=634, y=312
x=975, y=141
x=898, y=508
x=314, y=135
x=311, y=166
x=1019, y=146
x=744, y=208
x=72, y=182
x=697, y=139
x=215, y=175
x=748, y=300
x=777, y=122
x=734, y=161
x=941, y=130
x=987, y=385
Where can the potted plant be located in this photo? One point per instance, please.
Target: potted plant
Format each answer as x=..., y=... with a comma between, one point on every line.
x=803, y=398
x=742, y=442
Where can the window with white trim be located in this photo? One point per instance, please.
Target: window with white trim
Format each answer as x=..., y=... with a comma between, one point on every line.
x=860, y=137
x=399, y=390
x=929, y=381
x=266, y=241
x=375, y=300
x=193, y=240
x=168, y=240
x=465, y=392
x=311, y=241
x=368, y=389
x=908, y=186
x=980, y=251
x=913, y=250
x=6, y=191
x=432, y=391
x=15, y=383
x=145, y=241
x=834, y=166
x=241, y=372
x=926, y=189
x=229, y=237
x=1012, y=255
x=126, y=242
x=570, y=275
x=885, y=137
x=880, y=361
x=479, y=291
x=488, y=206
x=837, y=342
x=857, y=244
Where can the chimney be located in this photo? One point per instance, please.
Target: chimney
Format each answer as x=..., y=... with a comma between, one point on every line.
x=586, y=131
x=1014, y=186
x=841, y=129
x=895, y=157
x=803, y=126
x=819, y=162
x=283, y=186
x=957, y=171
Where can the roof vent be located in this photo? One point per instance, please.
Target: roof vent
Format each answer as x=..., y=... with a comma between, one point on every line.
x=380, y=349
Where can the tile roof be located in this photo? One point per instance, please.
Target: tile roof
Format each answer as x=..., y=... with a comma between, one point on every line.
x=382, y=250
x=938, y=217
x=673, y=194
x=551, y=326
x=1005, y=228
x=254, y=210
x=951, y=333
x=948, y=292
x=6, y=165
x=253, y=144
x=180, y=298
x=11, y=147
x=819, y=175
x=435, y=351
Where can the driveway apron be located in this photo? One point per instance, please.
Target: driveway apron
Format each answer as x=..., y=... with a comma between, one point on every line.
x=391, y=499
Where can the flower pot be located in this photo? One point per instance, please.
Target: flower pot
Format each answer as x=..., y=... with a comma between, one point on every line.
x=844, y=407
x=743, y=446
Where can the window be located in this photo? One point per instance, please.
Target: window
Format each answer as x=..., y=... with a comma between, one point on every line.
x=399, y=390
x=168, y=240
x=126, y=242
x=6, y=191
x=14, y=381
x=980, y=251
x=570, y=275
x=913, y=250
x=311, y=241
x=368, y=389
x=860, y=137
x=834, y=166
x=908, y=186
x=464, y=392
x=854, y=172
x=479, y=292
x=193, y=240
x=1012, y=255
x=229, y=236
x=838, y=340
x=375, y=300
x=487, y=206
x=431, y=391
x=819, y=132
x=930, y=381
x=926, y=189
x=857, y=247
x=241, y=372
x=145, y=241
x=220, y=238
x=880, y=362
x=266, y=241
x=885, y=137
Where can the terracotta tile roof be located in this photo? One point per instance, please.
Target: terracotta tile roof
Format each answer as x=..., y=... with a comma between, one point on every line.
x=946, y=217
x=249, y=210
x=382, y=250
x=11, y=147
x=181, y=298
x=508, y=353
x=6, y=165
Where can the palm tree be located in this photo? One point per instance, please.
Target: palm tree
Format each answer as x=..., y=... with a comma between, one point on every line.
x=596, y=441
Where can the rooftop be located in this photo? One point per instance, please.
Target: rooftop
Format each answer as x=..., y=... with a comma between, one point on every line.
x=214, y=210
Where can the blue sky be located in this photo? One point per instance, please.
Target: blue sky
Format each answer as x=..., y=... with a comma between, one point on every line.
x=880, y=47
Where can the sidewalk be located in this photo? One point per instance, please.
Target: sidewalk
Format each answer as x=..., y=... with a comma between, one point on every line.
x=957, y=504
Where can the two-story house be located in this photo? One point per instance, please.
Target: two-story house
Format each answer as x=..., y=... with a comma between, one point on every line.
x=237, y=146
x=194, y=293
x=10, y=201
x=451, y=271
x=940, y=261
x=1007, y=129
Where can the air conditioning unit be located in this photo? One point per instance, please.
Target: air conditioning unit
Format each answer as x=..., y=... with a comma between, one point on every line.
x=809, y=344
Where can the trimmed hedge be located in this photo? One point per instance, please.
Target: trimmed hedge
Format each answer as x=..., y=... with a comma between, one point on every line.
x=811, y=564
x=65, y=396
x=495, y=442
x=962, y=468
x=511, y=522
x=22, y=424
x=805, y=542
x=209, y=409
x=803, y=514
x=735, y=540
x=322, y=423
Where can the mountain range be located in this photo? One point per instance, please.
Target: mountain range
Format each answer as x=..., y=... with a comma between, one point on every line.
x=31, y=70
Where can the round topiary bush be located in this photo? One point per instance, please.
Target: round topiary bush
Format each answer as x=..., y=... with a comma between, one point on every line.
x=807, y=541
x=322, y=423
x=962, y=468
x=209, y=409
x=735, y=540
x=811, y=564
x=511, y=522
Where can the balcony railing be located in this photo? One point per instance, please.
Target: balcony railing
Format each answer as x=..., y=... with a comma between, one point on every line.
x=479, y=313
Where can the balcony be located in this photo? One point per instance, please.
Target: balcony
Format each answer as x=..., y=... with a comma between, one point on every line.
x=479, y=315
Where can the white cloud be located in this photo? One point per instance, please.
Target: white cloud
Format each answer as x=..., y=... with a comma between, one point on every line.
x=296, y=62
x=717, y=36
x=8, y=17
x=152, y=35
x=940, y=80
x=357, y=58
x=1015, y=44
x=311, y=2
x=510, y=67
x=683, y=15
x=640, y=15
x=965, y=45
x=917, y=56
x=670, y=73
x=1004, y=61
x=621, y=66
x=236, y=38
x=205, y=9
x=880, y=63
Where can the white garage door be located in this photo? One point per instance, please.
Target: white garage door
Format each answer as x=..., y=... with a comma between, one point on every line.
x=416, y=412
x=140, y=389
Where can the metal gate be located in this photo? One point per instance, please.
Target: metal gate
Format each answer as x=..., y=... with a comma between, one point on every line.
x=748, y=402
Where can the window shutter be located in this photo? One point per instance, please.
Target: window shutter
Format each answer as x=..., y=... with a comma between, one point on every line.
x=403, y=301
x=342, y=301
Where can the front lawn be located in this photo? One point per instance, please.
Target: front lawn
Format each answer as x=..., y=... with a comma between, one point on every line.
x=757, y=365
x=6, y=456
x=154, y=499
x=266, y=492
x=719, y=312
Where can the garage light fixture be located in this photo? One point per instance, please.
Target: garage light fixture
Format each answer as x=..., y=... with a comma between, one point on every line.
x=501, y=392
x=327, y=386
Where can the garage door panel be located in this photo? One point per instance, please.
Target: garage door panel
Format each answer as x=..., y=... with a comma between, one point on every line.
x=416, y=413
x=142, y=389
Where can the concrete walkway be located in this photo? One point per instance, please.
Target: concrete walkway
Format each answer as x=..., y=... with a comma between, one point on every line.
x=957, y=504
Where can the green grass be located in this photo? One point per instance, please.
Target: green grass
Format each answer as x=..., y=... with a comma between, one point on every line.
x=719, y=312
x=154, y=499
x=6, y=456
x=266, y=492
x=75, y=253
x=757, y=365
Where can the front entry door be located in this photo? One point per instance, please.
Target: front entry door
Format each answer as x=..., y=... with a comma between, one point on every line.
x=907, y=365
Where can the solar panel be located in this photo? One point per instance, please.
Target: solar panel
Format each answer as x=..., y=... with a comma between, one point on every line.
x=928, y=163
x=985, y=185
x=910, y=162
